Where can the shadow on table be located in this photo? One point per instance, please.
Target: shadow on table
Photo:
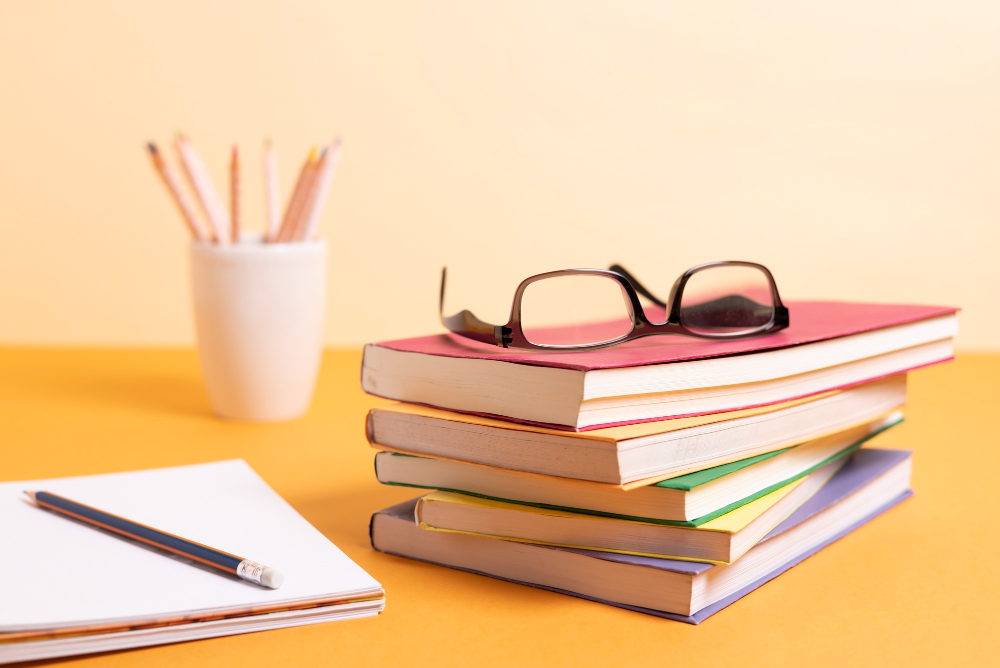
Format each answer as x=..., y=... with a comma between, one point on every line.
x=153, y=392
x=343, y=516
x=145, y=392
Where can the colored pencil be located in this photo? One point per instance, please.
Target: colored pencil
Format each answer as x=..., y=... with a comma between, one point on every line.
x=202, y=184
x=194, y=181
x=303, y=211
x=299, y=224
x=323, y=191
x=180, y=198
x=220, y=215
x=296, y=202
x=209, y=556
x=271, y=193
x=234, y=195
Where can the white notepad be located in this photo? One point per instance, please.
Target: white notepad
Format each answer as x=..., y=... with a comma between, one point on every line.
x=64, y=574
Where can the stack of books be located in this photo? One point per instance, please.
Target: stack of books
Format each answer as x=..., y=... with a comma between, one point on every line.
x=668, y=475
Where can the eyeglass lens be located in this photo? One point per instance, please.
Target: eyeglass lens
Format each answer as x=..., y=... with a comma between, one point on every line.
x=727, y=299
x=574, y=310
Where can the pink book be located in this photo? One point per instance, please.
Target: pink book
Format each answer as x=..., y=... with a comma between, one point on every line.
x=828, y=345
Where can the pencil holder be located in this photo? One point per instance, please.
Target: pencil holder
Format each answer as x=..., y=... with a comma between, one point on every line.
x=259, y=313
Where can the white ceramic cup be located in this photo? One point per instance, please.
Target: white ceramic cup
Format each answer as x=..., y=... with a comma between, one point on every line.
x=259, y=312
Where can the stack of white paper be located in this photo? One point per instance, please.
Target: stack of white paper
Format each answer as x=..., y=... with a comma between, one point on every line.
x=114, y=594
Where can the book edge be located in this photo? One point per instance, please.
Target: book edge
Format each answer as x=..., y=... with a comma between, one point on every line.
x=704, y=613
x=933, y=311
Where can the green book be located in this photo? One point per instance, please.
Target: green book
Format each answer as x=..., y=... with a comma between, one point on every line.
x=687, y=500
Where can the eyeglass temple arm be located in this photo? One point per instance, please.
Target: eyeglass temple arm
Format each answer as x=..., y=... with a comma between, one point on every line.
x=465, y=323
x=618, y=269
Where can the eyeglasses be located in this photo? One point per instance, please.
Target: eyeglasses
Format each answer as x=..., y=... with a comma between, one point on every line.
x=587, y=309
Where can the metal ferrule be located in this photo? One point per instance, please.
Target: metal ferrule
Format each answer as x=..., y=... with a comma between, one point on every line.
x=250, y=571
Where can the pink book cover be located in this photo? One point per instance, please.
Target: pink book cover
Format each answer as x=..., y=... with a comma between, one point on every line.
x=810, y=321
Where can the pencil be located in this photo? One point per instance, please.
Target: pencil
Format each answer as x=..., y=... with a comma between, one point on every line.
x=201, y=182
x=271, y=193
x=234, y=195
x=299, y=224
x=203, y=554
x=323, y=191
x=194, y=180
x=295, y=203
x=180, y=198
x=220, y=216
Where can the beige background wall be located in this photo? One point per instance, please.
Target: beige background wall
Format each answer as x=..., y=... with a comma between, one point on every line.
x=854, y=147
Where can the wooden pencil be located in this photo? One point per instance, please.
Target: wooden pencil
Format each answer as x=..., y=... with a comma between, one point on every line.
x=194, y=181
x=332, y=158
x=220, y=215
x=271, y=202
x=234, y=195
x=312, y=186
x=244, y=569
x=201, y=182
x=296, y=202
x=180, y=198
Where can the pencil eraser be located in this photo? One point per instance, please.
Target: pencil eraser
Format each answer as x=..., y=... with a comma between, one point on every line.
x=272, y=577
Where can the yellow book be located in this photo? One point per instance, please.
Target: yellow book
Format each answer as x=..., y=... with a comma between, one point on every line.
x=720, y=541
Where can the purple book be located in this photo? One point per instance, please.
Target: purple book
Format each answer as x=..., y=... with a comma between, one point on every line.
x=865, y=466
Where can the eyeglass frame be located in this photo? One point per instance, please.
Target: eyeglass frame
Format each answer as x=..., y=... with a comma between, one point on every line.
x=468, y=325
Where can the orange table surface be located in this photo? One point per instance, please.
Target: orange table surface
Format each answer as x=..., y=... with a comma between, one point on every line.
x=917, y=586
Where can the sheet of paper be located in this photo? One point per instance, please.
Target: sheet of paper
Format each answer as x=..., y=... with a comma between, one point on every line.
x=60, y=573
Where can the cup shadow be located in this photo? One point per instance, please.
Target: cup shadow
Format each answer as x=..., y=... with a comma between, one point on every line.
x=147, y=391
x=157, y=393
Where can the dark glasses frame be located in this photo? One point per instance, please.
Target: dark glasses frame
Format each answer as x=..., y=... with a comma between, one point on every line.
x=466, y=324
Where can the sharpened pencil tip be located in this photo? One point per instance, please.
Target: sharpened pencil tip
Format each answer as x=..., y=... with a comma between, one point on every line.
x=152, y=147
x=30, y=495
x=267, y=143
